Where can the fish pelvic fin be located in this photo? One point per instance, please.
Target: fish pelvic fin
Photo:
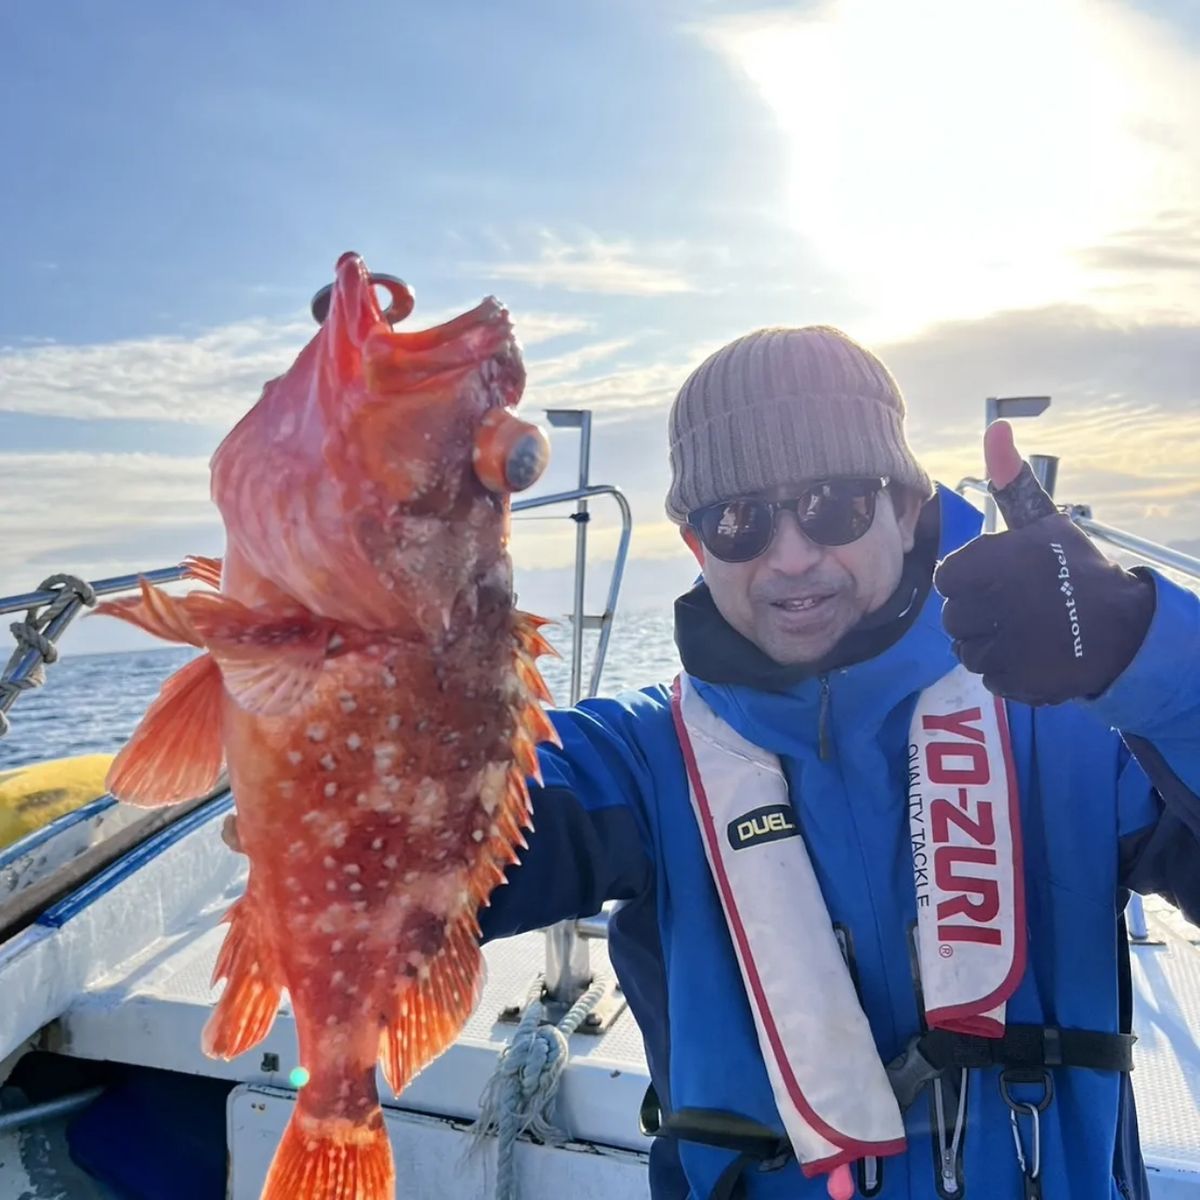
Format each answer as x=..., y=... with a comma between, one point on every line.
x=269, y=660
x=324, y=1157
x=246, y=1010
x=175, y=753
x=430, y=1010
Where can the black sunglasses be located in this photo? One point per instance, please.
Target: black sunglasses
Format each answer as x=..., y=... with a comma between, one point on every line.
x=831, y=512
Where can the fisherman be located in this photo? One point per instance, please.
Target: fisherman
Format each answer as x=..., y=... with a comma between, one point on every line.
x=872, y=925
x=874, y=844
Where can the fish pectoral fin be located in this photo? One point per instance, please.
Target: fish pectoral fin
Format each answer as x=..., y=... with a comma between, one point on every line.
x=175, y=753
x=154, y=611
x=203, y=568
x=269, y=661
x=431, y=1009
x=246, y=1010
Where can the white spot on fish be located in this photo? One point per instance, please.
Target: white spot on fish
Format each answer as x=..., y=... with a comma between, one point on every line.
x=353, y=741
x=294, y=757
x=356, y=887
x=384, y=753
x=330, y=790
x=336, y=947
x=336, y=833
x=389, y=678
x=347, y=702
x=352, y=869
x=328, y=762
x=336, y=642
x=391, y=784
x=329, y=1020
x=411, y=876
x=393, y=722
x=359, y=905
x=331, y=885
x=337, y=977
x=310, y=816
x=477, y=835
x=390, y=862
x=362, y=799
x=296, y=848
x=377, y=844
x=329, y=862
x=316, y=733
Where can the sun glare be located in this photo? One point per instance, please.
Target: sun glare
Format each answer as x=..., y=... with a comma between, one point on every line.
x=954, y=158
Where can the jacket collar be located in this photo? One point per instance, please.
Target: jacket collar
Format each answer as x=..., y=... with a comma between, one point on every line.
x=885, y=660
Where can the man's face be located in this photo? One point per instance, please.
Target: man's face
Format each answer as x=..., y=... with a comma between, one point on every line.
x=797, y=599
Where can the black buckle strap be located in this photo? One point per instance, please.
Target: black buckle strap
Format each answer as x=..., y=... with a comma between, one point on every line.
x=1022, y=1047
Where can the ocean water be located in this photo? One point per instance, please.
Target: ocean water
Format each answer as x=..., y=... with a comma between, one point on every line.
x=91, y=703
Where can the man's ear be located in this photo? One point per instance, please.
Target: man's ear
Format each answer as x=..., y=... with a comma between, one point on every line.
x=694, y=544
x=906, y=504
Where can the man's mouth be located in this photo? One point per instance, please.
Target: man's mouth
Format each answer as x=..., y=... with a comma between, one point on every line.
x=799, y=603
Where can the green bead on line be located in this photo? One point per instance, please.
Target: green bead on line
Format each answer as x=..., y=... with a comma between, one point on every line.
x=299, y=1077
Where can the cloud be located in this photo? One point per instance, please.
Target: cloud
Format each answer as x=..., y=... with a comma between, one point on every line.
x=211, y=378
x=593, y=265
x=930, y=194
x=101, y=514
x=1124, y=418
x=1170, y=243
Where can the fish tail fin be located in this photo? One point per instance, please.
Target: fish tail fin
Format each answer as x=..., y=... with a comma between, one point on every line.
x=175, y=753
x=319, y=1158
x=246, y=1010
x=430, y=1011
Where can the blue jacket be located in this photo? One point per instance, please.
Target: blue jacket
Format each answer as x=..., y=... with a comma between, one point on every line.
x=614, y=821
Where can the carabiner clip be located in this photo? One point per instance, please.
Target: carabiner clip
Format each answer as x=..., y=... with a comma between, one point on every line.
x=1031, y=1168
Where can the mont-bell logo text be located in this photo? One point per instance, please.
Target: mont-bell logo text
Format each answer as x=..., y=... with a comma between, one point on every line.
x=766, y=824
x=1068, y=590
x=962, y=829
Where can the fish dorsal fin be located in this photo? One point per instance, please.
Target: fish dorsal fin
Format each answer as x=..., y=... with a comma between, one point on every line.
x=269, y=661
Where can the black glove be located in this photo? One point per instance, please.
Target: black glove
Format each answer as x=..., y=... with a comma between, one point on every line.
x=1037, y=610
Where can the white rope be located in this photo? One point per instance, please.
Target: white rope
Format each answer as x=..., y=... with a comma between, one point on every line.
x=519, y=1097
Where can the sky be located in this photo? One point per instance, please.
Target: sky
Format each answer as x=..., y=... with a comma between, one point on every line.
x=998, y=196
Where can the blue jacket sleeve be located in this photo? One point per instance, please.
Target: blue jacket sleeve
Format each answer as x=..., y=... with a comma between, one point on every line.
x=1155, y=704
x=1155, y=701
x=590, y=841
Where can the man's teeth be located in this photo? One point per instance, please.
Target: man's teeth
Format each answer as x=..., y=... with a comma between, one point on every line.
x=799, y=605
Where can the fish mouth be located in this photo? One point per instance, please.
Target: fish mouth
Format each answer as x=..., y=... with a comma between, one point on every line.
x=359, y=337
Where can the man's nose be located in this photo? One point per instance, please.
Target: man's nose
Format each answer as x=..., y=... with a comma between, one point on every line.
x=790, y=552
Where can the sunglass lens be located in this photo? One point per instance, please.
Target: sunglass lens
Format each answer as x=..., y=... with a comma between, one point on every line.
x=838, y=513
x=737, y=531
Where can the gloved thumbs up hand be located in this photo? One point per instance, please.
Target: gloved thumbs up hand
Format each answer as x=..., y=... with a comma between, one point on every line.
x=1037, y=610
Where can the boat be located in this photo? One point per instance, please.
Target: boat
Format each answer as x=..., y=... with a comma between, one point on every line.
x=109, y=928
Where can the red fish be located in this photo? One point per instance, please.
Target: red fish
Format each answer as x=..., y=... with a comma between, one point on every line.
x=373, y=694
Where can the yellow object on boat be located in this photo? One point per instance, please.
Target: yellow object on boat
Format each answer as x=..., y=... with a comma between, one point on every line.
x=35, y=795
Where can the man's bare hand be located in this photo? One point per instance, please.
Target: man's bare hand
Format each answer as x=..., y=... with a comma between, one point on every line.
x=229, y=834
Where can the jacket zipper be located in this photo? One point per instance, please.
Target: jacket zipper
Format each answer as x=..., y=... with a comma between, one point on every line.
x=824, y=741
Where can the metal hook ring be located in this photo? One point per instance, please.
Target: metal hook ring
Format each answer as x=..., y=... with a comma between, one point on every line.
x=403, y=300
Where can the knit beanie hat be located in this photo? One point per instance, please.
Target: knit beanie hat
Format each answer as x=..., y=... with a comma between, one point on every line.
x=784, y=406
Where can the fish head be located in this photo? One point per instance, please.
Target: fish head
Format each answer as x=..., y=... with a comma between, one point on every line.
x=371, y=483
